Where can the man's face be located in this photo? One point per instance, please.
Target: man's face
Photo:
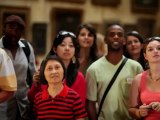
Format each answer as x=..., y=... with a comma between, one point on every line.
x=115, y=38
x=13, y=32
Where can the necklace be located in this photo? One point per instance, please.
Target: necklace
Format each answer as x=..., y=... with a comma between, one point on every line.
x=150, y=76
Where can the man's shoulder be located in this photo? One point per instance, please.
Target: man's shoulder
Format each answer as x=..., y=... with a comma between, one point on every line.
x=134, y=65
x=2, y=50
x=133, y=62
x=25, y=42
x=98, y=62
x=3, y=53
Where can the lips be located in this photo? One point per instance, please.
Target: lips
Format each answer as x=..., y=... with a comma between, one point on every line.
x=156, y=56
x=67, y=54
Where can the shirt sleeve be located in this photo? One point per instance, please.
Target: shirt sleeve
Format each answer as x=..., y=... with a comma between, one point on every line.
x=8, y=81
x=91, y=83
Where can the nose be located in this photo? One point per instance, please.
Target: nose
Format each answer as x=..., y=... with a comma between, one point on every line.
x=67, y=47
x=86, y=36
x=132, y=43
x=54, y=71
x=115, y=36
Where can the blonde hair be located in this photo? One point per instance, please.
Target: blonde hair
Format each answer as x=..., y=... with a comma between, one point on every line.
x=101, y=45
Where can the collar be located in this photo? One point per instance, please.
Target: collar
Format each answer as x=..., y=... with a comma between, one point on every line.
x=1, y=43
x=19, y=42
x=63, y=93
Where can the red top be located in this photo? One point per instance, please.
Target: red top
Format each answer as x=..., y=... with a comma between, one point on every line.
x=147, y=97
x=67, y=105
x=79, y=86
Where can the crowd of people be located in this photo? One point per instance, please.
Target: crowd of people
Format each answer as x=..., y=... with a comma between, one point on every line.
x=82, y=77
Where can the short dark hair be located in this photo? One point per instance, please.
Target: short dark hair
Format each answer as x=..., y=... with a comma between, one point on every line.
x=43, y=65
x=15, y=18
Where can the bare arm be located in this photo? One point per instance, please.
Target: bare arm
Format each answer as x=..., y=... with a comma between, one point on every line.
x=5, y=95
x=91, y=110
x=135, y=101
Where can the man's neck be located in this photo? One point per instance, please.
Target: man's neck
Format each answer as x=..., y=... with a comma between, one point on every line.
x=114, y=57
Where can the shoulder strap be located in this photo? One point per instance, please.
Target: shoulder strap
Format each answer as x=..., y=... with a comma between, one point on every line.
x=26, y=49
x=110, y=84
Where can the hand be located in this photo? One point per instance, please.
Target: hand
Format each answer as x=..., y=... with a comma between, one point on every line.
x=144, y=106
x=142, y=112
x=156, y=106
x=36, y=78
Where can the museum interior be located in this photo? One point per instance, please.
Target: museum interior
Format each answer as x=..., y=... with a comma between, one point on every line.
x=44, y=18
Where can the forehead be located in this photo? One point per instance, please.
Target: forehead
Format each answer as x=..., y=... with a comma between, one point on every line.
x=153, y=43
x=115, y=28
x=132, y=38
x=67, y=39
x=84, y=30
x=53, y=62
x=13, y=23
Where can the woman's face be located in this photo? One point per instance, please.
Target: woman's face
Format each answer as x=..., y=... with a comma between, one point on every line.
x=53, y=72
x=66, y=50
x=133, y=45
x=153, y=51
x=85, y=38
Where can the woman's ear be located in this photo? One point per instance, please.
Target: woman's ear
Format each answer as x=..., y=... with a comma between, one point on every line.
x=54, y=49
x=144, y=54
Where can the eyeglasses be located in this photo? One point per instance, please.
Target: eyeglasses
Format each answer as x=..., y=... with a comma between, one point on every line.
x=152, y=39
x=63, y=33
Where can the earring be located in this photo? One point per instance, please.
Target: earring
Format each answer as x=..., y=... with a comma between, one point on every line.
x=73, y=59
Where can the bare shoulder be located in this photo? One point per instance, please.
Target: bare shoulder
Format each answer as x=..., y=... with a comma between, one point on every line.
x=137, y=79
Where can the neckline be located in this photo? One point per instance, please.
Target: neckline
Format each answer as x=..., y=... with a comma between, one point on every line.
x=150, y=77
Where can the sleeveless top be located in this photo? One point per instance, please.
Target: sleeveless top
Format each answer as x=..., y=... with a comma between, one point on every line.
x=147, y=96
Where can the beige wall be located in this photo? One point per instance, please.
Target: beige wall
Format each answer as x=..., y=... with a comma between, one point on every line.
x=40, y=12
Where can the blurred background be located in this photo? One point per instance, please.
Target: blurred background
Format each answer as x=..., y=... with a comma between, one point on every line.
x=44, y=18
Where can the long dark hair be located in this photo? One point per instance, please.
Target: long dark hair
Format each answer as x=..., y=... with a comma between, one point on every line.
x=141, y=59
x=92, y=31
x=72, y=69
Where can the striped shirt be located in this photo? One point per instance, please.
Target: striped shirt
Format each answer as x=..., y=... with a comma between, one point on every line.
x=65, y=106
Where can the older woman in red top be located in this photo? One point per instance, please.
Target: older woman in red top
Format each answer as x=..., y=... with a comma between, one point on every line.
x=57, y=101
